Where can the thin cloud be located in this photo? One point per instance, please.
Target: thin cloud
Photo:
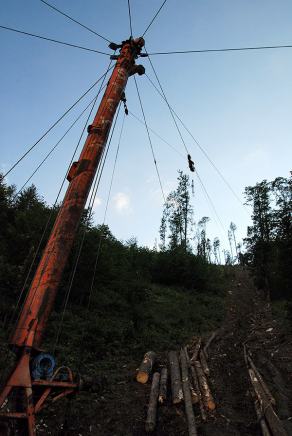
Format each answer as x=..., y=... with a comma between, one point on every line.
x=122, y=202
x=256, y=156
x=97, y=202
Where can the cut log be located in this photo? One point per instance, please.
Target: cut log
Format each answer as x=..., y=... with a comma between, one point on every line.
x=187, y=356
x=163, y=385
x=202, y=411
x=196, y=350
x=176, y=386
x=204, y=362
x=152, y=407
x=281, y=392
x=194, y=392
x=146, y=367
x=208, y=343
x=204, y=387
x=262, y=382
x=198, y=392
x=194, y=395
x=196, y=383
x=272, y=418
x=261, y=419
x=187, y=394
x=245, y=355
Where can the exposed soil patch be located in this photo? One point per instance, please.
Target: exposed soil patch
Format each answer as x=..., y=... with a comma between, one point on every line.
x=119, y=407
x=248, y=321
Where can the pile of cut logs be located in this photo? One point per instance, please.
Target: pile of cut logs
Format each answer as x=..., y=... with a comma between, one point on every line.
x=264, y=401
x=188, y=373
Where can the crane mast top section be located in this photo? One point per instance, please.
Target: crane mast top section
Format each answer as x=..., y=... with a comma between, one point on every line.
x=42, y=293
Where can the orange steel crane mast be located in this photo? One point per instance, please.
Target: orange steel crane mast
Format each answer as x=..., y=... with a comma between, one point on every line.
x=34, y=376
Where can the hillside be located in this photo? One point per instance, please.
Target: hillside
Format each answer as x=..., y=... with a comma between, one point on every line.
x=118, y=300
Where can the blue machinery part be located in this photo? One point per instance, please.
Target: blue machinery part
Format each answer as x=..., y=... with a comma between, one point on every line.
x=43, y=367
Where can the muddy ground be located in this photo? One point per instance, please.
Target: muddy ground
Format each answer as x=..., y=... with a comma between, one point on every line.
x=248, y=320
x=119, y=406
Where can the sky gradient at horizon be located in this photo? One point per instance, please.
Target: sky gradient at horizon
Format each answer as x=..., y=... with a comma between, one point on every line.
x=238, y=105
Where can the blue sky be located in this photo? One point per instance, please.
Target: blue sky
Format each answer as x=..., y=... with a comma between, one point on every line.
x=238, y=105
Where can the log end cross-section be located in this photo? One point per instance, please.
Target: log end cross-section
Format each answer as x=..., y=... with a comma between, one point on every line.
x=146, y=367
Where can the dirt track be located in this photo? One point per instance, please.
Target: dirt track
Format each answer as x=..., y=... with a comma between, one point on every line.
x=121, y=407
x=249, y=321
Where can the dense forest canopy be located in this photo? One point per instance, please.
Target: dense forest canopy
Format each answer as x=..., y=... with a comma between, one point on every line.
x=269, y=238
x=117, y=292
x=123, y=295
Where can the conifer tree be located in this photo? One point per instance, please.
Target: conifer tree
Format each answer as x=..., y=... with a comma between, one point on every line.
x=177, y=216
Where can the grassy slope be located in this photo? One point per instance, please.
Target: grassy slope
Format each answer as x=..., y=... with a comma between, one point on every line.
x=162, y=318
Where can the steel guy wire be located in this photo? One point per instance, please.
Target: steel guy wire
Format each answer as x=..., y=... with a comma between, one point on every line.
x=157, y=134
x=169, y=107
x=88, y=217
x=105, y=212
x=210, y=201
x=130, y=18
x=94, y=192
x=220, y=50
x=53, y=149
x=153, y=19
x=56, y=41
x=149, y=138
x=55, y=123
x=56, y=200
x=200, y=147
x=75, y=21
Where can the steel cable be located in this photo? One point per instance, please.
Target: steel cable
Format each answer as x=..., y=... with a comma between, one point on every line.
x=130, y=18
x=153, y=19
x=169, y=107
x=56, y=41
x=75, y=21
x=109, y=68
x=157, y=134
x=53, y=149
x=89, y=215
x=218, y=50
x=149, y=138
x=204, y=189
x=55, y=123
x=105, y=212
x=210, y=202
x=55, y=203
x=201, y=148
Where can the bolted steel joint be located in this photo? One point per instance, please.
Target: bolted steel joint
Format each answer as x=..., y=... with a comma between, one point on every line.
x=137, y=69
x=140, y=42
